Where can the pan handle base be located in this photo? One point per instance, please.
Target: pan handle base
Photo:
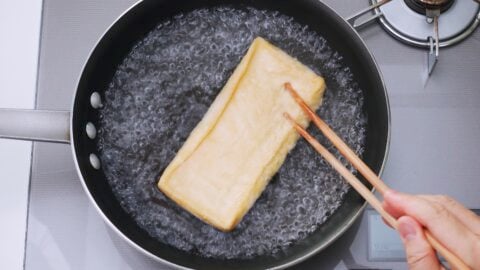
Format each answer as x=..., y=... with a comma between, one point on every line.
x=35, y=125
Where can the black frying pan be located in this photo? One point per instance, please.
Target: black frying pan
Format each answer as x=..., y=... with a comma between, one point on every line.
x=98, y=72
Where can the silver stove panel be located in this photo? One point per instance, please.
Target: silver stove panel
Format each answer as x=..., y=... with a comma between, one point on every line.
x=434, y=148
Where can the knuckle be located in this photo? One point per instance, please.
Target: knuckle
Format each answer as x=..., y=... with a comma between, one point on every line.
x=446, y=200
x=417, y=258
x=440, y=212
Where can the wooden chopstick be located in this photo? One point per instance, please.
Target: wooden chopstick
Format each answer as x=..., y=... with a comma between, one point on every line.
x=351, y=179
x=338, y=143
x=452, y=259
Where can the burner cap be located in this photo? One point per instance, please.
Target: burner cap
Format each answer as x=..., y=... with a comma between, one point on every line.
x=421, y=6
x=459, y=19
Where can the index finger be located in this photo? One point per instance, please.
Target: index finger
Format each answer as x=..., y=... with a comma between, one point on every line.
x=467, y=217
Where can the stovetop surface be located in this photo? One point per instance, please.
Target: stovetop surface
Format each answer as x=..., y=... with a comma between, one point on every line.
x=434, y=141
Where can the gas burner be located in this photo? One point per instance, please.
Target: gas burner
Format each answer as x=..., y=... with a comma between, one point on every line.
x=421, y=6
x=429, y=24
x=414, y=28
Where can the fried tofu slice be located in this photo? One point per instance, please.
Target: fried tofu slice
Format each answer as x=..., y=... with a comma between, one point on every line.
x=243, y=139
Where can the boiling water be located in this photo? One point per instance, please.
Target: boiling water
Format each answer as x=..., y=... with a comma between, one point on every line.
x=161, y=91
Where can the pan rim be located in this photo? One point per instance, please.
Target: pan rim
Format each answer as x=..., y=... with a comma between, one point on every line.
x=290, y=263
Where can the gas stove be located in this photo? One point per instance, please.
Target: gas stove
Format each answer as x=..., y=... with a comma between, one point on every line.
x=430, y=24
x=434, y=140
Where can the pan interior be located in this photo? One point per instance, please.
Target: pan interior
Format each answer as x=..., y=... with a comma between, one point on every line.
x=162, y=89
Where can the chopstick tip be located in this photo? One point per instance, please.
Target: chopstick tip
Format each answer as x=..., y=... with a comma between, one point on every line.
x=291, y=120
x=288, y=86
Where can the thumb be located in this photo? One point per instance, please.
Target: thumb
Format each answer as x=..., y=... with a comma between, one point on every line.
x=420, y=255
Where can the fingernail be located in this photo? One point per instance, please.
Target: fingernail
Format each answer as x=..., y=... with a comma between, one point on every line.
x=407, y=230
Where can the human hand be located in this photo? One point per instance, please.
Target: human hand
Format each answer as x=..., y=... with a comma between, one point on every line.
x=456, y=227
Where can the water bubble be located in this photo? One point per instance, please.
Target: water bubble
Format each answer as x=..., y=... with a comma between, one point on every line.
x=161, y=91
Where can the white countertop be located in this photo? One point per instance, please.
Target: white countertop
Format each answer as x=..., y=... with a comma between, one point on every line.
x=20, y=31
